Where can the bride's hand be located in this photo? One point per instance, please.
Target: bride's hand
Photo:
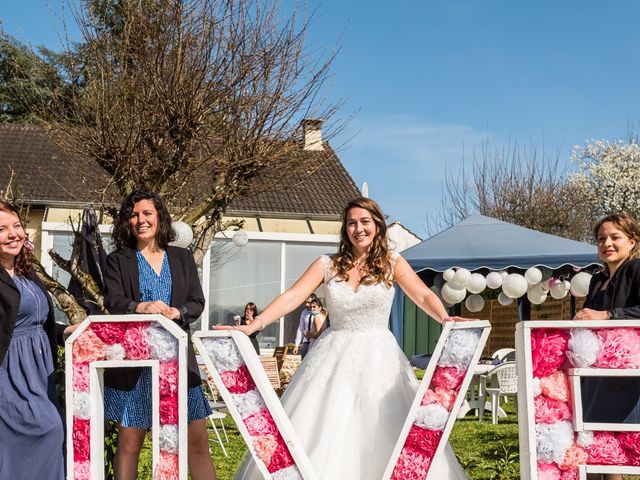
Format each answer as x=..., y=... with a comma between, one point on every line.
x=246, y=329
x=458, y=319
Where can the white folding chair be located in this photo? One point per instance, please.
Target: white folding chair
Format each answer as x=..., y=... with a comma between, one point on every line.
x=503, y=380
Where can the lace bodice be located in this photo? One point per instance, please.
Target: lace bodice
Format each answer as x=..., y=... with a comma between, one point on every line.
x=365, y=308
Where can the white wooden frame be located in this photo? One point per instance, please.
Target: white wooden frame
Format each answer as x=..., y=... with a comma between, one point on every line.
x=265, y=389
x=96, y=390
x=526, y=412
x=424, y=385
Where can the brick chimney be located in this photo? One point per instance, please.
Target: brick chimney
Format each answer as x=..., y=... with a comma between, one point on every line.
x=312, y=129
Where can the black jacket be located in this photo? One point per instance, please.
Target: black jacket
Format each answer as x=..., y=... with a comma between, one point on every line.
x=621, y=297
x=9, y=303
x=123, y=292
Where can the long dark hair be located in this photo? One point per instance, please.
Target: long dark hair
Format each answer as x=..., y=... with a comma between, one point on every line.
x=378, y=261
x=122, y=236
x=253, y=307
x=22, y=264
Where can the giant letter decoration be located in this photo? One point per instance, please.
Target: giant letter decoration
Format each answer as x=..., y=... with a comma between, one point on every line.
x=272, y=441
x=110, y=341
x=552, y=357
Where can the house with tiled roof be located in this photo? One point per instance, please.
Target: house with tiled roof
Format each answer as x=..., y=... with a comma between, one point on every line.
x=287, y=228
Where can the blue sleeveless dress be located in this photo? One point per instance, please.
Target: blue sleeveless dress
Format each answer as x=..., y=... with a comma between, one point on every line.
x=31, y=422
x=132, y=408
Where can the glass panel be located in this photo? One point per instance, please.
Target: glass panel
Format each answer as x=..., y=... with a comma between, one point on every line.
x=242, y=275
x=298, y=257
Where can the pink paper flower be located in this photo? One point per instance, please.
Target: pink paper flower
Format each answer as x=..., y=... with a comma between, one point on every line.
x=261, y=423
x=448, y=378
x=548, y=350
x=168, y=379
x=605, y=450
x=88, y=347
x=281, y=457
x=110, y=332
x=630, y=442
x=620, y=348
x=265, y=446
x=548, y=471
x=556, y=386
x=548, y=410
x=167, y=468
x=81, y=377
x=135, y=342
x=570, y=474
x=169, y=410
x=81, y=470
x=446, y=398
x=424, y=440
x=238, y=381
x=81, y=443
x=575, y=456
x=412, y=464
x=429, y=398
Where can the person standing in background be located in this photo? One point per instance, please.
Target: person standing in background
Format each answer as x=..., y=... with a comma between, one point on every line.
x=301, y=344
x=251, y=312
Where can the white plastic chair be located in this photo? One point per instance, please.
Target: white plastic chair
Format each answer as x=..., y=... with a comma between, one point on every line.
x=504, y=381
x=502, y=353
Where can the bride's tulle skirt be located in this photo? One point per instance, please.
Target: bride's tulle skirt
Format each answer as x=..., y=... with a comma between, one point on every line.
x=348, y=402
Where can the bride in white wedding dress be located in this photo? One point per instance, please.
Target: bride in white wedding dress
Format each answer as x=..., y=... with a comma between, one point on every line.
x=349, y=399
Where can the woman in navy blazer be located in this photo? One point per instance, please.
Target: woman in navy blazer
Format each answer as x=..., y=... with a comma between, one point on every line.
x=148, y=276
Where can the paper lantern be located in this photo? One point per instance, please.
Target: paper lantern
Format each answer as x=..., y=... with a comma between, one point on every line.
x=580, y=284
x=533, y=276
x=476, y=283
x=184, y=234
x=474, y=303
x=448, y=274
x=553, y=282
x=240, y=238
x=558, y=290
x=503, y=274
x=536, y=294
x=514, y=285
x=494, y=280
x=460, y=278
x=504, y=300
x=452, y=295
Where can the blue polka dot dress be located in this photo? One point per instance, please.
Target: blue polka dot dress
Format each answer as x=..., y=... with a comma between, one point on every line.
x=132, y=408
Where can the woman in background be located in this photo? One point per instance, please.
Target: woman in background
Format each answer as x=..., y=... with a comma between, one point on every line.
x=250, y=313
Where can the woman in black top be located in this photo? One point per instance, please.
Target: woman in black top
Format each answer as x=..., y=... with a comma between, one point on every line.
x=250, y=313
x=614, y=293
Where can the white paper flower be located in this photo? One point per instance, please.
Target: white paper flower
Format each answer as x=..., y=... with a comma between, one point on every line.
x=162, y=345
x=168, y=438
x=460, y=347
x=115, y=352
x=248, y=403
x=432, y=417
x=223, y=353
x=536, y=387
x=289, y=473
x=585, y=438
x=81, y=405
x=584, y=346
x=553, y=440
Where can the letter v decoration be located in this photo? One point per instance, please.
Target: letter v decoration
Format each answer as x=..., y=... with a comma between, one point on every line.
x=237, y=372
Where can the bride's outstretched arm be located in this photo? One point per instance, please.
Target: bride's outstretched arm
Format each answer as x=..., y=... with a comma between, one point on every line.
x=286, y=302
x=419, y=293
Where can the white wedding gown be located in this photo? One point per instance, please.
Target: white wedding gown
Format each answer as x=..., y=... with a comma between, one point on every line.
x=350, y=397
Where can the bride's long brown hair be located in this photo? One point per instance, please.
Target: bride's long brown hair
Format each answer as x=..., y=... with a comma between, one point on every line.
x=377, y=265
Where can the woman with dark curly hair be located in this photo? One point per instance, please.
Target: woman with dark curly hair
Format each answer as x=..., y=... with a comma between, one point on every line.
x=146, y=275
x=348, y=400
x=31, y=423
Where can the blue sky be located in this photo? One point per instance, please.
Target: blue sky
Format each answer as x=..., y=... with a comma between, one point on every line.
x=430, y=81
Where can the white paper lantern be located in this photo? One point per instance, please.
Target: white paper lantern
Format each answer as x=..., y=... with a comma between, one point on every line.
x=536, y=294
x=515, y=285
x=240, y=238
x=533, y=276
x=558, y=290
x=580, y=284
x=504, y=300
x=494, y=280
x=474, y=303
x=184, y=234
x=452, y=295
x=460, y=278
x=476, y=283
x=448, y=274
x=503, y=274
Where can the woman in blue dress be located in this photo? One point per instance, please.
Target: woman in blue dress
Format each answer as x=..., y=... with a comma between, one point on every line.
x=31, y=422
x=148, y=276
